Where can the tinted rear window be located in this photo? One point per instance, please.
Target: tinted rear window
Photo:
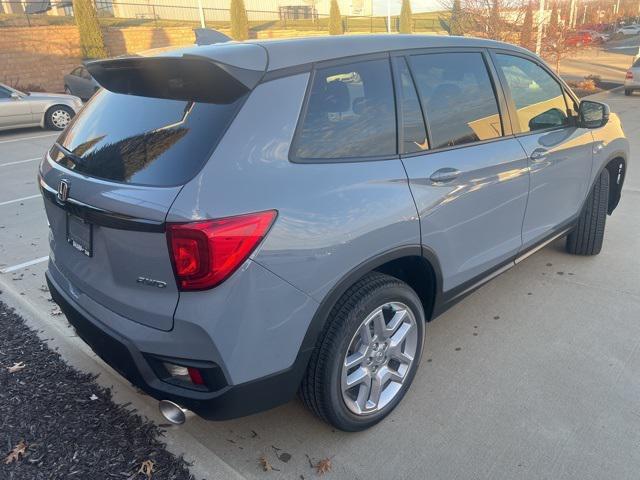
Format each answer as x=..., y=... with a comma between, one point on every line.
x=350, y=113
x=142, y=140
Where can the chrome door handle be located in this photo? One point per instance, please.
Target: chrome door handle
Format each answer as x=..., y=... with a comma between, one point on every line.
x=539, y=154
x=444, y=175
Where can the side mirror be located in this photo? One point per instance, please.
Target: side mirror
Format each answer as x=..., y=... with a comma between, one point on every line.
x=551, y=118
x=15, y=96
x=593, y=114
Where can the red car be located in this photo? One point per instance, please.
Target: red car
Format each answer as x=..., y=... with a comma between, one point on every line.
x=579, y=39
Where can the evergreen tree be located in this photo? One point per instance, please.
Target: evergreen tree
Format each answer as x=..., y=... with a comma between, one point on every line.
x=91, y=39
x=455, y=24
x=335, y=19
x=494, y=26
x=526, y=35
x=239, y=20
x=406, y=24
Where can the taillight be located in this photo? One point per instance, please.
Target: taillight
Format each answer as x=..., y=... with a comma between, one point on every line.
x=206, y=253
x=629, y=75
x=195, y=376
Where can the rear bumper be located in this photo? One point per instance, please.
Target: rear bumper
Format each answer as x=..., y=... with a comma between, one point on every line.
x=230, y=401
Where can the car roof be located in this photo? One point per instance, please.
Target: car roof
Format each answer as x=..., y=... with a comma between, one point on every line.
x=292, y=52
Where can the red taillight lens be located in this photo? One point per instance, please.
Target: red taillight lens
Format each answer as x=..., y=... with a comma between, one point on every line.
x=195, y=376
x=206, y=253
x=629, y=75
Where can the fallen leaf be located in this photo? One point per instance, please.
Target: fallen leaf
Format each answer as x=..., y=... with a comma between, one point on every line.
x=16, y=453
x=93, y=397
x=323, y=466
x=264, y=463
x=146, y=468
x=16, y=367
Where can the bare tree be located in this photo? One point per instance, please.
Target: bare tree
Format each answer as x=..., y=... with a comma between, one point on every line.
x=496, y=19
x=557, y=44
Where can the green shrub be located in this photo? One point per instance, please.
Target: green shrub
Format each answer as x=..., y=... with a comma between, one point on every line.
x=526, y=35
x=239, y=20
x=455, y=24
x=91, y=39
x=335, y=19
x=406, y=24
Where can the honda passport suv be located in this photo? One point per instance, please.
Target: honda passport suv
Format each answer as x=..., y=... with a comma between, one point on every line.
x=235, y=223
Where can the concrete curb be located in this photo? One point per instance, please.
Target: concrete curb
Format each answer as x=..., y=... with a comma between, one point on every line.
x=60, y=337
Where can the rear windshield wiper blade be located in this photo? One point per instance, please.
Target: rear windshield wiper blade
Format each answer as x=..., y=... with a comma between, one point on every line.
x=77, y=159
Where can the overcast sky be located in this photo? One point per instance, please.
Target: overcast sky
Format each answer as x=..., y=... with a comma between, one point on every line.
x=380, y=6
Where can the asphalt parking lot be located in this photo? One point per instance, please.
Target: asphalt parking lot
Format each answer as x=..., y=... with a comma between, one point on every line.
x=535, y=375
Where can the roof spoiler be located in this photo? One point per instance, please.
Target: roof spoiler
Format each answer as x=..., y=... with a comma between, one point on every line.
x=188, y=78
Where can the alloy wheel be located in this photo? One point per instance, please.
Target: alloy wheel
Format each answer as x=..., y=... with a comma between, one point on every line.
x=379, y=358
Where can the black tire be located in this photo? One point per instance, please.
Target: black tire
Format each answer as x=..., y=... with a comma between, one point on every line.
x=49, y=116
x=628, y=92
x=321, y=388
x=587, y=237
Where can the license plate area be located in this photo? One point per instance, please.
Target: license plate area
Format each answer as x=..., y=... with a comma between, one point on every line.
x=80, y=234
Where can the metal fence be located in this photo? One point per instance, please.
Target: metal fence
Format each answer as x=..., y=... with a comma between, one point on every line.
x=164, y=13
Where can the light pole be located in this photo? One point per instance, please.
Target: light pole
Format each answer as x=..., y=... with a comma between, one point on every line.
x=540, y=25
x=201, y=11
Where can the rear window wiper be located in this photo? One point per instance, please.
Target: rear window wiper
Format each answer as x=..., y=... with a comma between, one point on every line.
x=76, y=159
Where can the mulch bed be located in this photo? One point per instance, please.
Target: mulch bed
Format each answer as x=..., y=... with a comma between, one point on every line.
x=69, y=424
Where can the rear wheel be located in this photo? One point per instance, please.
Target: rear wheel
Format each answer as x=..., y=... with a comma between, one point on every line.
x=368, y=355
x=587, y=237
x=58, y=117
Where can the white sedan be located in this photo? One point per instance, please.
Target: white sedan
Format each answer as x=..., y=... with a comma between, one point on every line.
x=629, y=30
x=32, y=109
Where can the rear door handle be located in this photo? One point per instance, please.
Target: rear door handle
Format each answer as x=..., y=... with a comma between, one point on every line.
x=444, y=175
x=539, y=154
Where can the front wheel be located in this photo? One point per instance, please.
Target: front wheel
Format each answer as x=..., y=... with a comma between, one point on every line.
x=587, y=237
x=58, y=117
x=368, y=354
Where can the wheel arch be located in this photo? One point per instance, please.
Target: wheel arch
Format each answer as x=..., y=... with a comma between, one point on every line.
x=617, y=168
x=411, y=264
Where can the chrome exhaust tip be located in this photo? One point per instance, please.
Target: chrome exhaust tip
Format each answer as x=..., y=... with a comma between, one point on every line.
x=173, y=412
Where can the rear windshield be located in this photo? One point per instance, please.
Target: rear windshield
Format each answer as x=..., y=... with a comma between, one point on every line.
x=143, y=140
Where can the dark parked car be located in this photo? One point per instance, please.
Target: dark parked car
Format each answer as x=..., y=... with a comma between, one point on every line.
x=235, y=223
x=80, y=83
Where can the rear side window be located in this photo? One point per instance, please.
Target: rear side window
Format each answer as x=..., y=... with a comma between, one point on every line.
x=538, y=97
x=350, y=113
x=414, y=134
x=143, y=140
x=458, y=98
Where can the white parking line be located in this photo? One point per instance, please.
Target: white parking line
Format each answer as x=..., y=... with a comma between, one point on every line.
x=24, y=265
x=19, y=161
x=29, y=138
x=18, y=200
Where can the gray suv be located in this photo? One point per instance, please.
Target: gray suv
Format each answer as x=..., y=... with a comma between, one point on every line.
x=235, y=223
